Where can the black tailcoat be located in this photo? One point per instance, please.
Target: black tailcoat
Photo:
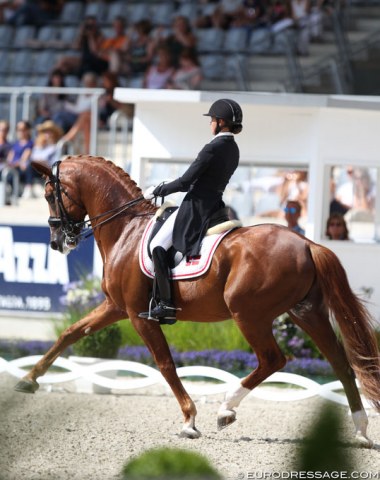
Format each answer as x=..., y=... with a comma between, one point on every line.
x=204, y=181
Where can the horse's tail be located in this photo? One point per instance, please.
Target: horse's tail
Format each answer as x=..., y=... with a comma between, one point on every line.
x=353, y=319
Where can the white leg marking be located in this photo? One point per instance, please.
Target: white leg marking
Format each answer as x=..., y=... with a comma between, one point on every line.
x=232, y=400
x=360, y=420
x=189, y=429
x=88, y=330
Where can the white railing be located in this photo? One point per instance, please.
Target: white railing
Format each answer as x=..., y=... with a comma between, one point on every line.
x=25, y=95
x=148, y=376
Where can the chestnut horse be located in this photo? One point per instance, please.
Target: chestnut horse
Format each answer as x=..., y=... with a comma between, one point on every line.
x=257, y=273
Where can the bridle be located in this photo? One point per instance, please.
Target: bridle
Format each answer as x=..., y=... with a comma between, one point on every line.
x=67, y=224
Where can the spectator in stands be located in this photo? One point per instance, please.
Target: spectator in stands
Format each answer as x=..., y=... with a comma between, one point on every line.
x=188, y=75
x=44, y=150
x=250, y=14
x=88, y=42
x=49, y=104
x=336, y=227
x=160, y=72
x=295, y=187
x=279, y=15
x=67, y=117
x=213, y=17
x=5, y=145
x=19, y=153
x=79, y=114
x=300, y=13
x=140, y=50
x=7, y=9
x=113, y=49
x=292, y=215
x=181, y=37
x=107, y=104
x=316, y=21
x=36, y=12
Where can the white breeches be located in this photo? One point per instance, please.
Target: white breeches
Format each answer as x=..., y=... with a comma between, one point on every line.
x=164, y=237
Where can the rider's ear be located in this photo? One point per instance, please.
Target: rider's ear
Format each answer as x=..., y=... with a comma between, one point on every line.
x=42, y=168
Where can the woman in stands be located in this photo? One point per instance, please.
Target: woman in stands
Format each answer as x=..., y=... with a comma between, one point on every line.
x=18, y=156
x=204, y=181
x=160, y=72
x=188, y=75
x=49, y=104
x=336, y=227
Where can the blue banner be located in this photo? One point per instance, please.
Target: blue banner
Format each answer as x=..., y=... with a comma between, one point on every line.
x=32, y=275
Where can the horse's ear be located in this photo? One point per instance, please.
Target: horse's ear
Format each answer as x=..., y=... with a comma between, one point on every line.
x=42, y=168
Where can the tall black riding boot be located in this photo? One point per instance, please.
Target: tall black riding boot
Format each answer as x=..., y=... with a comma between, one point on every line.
x=164, y=311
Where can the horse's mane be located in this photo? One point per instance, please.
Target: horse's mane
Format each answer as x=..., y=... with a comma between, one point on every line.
x=118, y=174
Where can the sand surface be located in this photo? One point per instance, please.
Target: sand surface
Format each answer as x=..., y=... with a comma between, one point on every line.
x=66, y=435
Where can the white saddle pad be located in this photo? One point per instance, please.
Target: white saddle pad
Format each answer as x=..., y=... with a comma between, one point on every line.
x=191, y=269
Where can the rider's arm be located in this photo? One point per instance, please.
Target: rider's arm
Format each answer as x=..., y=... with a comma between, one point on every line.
x=182, y=184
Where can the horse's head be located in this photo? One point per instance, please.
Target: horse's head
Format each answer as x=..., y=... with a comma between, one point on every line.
x=66, y=211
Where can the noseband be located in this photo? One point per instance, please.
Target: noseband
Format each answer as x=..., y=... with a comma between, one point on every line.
x=67, y=224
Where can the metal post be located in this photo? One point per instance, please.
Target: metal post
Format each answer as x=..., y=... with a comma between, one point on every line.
x=118, y=117
x=94, y=125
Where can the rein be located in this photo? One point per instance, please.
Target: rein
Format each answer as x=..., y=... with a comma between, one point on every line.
x=69, y=225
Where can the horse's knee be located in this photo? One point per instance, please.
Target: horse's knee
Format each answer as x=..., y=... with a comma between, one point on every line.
x=70, y=335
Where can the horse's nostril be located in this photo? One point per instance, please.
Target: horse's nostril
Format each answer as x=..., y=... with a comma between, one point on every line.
x=54, y=245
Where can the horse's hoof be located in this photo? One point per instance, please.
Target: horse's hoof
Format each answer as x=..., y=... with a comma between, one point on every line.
x=190, y=432
x=363, y=441
x=226, y=418
x=26, y=386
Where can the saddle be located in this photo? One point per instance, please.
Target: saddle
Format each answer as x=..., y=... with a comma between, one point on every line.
x=183, y=267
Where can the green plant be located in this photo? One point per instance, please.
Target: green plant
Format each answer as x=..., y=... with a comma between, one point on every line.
x=170, y=463
x=104, y=343
x=323, y=449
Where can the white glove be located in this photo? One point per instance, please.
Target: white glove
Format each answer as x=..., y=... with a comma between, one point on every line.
x=148, y=194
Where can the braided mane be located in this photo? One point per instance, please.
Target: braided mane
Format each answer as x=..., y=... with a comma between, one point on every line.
x=120, y=176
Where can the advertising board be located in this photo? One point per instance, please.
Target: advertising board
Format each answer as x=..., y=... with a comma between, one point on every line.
x=32, y=275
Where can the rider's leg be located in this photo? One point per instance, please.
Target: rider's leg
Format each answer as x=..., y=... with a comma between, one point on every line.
x=165, y=309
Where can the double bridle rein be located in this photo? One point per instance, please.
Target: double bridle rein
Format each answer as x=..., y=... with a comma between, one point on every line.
x=67, y=224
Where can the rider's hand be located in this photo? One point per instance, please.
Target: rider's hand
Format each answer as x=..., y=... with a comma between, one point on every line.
x=149, y=193
x=157, y=192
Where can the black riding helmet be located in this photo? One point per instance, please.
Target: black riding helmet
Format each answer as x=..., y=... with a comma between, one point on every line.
x=228, y=110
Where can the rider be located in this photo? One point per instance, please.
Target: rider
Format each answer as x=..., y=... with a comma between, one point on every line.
x=204, y=181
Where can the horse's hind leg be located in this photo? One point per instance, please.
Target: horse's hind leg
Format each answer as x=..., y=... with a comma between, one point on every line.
x=100, y=317
x=270, y=359
x=316, y=323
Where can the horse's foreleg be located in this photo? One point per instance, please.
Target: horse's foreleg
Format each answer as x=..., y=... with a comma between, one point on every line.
x=103, y=315
x=156, y=342
x=270, y=360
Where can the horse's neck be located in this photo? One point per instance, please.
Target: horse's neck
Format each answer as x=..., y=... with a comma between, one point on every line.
x=103, y=199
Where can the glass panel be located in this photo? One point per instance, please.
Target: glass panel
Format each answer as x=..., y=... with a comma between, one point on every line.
x=257, y=194
x=353, y=195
